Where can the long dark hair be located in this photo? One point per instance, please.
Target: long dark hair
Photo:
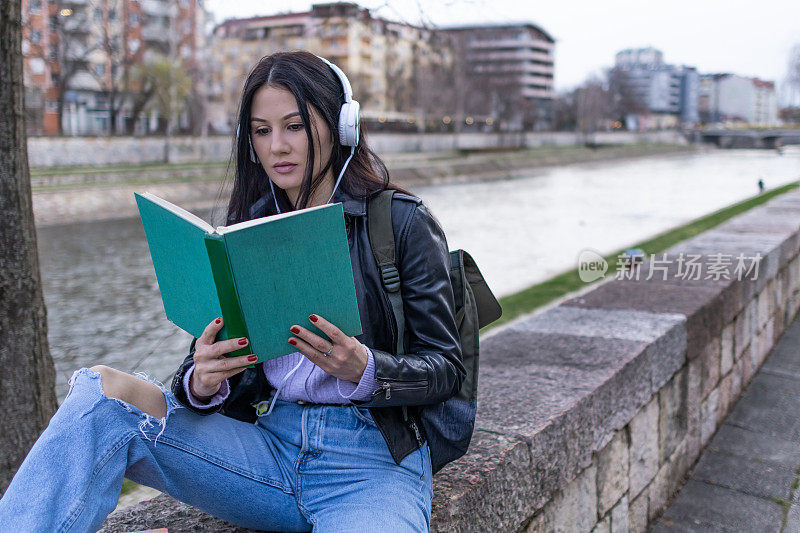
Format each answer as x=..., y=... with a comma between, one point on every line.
x=312, y=82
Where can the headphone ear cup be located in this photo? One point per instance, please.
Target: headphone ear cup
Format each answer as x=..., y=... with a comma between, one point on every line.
x=349, y=123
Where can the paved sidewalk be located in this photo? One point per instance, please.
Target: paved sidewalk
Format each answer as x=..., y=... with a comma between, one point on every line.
x=747, y=479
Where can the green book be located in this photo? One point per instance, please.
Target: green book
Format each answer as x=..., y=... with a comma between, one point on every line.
x=262, y=276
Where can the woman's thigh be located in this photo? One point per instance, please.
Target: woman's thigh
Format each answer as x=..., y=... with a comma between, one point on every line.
x=231, y=469
x=351, y=483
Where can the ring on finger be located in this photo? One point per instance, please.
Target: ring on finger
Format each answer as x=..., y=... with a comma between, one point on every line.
x=328, y=353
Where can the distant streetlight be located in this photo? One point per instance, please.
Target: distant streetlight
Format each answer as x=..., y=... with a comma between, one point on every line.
x=469, y=120
x=490, y=121
x=446, y=120
x=65, y=12
x=381, y=119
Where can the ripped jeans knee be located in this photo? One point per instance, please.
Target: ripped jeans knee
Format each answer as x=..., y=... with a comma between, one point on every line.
x=90, y=382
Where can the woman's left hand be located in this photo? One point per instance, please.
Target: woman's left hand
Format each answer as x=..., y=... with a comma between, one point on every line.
x=348, y=357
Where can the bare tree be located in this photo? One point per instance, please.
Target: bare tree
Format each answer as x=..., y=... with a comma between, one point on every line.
x=73, y=51
x=593, y=107
x=28, y=377
x=566, y=112
x=625, y=99
x=144, y=90
x=114, y=81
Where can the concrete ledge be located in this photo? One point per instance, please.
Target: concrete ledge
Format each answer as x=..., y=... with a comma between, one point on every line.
x=590, y=413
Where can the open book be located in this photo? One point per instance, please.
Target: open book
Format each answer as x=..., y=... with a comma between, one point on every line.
x=261, y=276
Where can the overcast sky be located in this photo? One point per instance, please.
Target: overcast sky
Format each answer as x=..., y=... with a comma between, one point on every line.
x=751, y=38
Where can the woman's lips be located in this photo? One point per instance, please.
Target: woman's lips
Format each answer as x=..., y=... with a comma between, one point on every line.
x=283, y=169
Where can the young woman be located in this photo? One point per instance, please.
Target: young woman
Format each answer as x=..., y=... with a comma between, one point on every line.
x=327, y=438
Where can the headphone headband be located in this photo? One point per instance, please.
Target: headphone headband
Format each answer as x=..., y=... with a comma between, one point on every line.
x=348, y=90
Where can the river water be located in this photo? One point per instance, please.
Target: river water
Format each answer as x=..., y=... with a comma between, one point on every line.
x=103, y=303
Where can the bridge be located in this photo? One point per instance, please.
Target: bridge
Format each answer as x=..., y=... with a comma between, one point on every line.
x=751, y=138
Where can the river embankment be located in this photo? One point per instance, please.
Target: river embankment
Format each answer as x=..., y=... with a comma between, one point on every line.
x=83, y=193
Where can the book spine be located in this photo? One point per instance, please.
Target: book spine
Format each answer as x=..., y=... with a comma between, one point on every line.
x=235, y=325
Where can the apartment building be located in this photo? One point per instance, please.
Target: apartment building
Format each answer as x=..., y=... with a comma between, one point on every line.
x=38, y=53
x=729, y=98
x=508, y=73
x=82, y=60
x=392, y=66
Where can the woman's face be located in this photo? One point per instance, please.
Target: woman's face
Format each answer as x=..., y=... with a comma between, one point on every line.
x=279, y=139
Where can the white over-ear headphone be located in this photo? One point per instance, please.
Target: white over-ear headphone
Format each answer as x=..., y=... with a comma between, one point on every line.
x=349, y=114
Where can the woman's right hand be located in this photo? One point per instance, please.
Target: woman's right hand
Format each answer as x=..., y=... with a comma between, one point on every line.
x=211, y=367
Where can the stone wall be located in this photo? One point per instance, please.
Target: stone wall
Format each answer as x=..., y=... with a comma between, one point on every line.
x=100, y=151
x=591, y=411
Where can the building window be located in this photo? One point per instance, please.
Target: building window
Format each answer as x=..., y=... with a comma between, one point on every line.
x=99, y=70
x=112, y=14
x=133, y=45
x=37, y=65
x=133, y=19
x=98, y=13
x=36, y=36
x=34, y=5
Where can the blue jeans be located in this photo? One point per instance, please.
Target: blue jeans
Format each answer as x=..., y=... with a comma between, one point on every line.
x=301, y=467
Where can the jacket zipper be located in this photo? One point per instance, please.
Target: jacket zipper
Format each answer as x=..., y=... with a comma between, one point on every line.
x=416, y=432
x=388, y=384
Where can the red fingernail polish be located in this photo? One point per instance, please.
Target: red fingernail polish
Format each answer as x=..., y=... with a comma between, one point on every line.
x=294, y=329
x=242, y=342
x=218, y=321
x=252, y=358
x=293, y=342
x=313, y=318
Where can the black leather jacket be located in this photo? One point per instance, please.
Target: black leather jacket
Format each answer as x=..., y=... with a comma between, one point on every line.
x=430, y=371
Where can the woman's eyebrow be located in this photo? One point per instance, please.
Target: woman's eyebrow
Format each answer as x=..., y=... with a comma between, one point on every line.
x=256, y=119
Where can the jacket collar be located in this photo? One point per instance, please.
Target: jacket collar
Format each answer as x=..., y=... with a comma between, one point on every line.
x=351, y=204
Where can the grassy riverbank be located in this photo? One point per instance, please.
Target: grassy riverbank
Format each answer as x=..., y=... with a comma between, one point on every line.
x=538, y=295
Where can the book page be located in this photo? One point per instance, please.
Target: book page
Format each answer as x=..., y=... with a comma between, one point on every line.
x=179, y=211
x=221, y=230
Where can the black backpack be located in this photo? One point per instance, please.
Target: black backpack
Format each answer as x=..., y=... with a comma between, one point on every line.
x=448, y=425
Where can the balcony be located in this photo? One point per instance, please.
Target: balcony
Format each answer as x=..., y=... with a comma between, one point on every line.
x=511, y=43
x=537, y=93
x=511, y=55
x=538, y=69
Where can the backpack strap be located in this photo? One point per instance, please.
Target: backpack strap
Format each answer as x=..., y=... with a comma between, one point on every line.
x=381, y=239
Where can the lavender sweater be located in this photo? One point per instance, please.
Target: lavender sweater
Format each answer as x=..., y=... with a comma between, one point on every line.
x=309, y=382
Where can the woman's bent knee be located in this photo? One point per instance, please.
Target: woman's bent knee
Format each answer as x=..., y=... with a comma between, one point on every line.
x=147, y=396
